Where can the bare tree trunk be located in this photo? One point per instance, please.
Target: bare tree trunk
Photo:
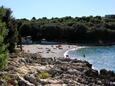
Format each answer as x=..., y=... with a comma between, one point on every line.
x=20, y=42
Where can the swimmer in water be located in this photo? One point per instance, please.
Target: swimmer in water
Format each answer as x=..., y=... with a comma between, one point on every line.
x=84, y=55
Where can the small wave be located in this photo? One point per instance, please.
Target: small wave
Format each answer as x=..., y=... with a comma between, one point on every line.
x=66, y=53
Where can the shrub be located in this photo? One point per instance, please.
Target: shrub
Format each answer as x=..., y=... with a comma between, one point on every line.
x=3, y=46
x=44, y=75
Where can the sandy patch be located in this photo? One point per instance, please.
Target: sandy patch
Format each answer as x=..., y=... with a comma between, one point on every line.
x=49, y=51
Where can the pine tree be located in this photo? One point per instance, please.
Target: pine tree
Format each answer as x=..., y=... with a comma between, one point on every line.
x=3, y=46
x=5, y=16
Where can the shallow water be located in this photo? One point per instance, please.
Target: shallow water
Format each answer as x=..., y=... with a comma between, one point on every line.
x=101, y=57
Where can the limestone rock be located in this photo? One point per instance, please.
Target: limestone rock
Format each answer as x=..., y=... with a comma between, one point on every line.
x=23, y=82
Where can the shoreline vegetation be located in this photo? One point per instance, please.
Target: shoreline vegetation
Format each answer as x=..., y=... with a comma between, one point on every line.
x=45, y=65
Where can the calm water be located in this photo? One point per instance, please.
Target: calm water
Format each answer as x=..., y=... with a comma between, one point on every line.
x=100, y=56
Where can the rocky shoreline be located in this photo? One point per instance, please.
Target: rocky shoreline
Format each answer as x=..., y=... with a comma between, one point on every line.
x=33, y=70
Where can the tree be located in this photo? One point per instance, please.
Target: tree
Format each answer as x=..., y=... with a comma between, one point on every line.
x=80, y=31
x=3, y=46
x=12, y=35
x=5, y=16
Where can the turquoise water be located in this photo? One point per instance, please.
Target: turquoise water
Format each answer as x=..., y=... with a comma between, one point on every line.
x=101, y=57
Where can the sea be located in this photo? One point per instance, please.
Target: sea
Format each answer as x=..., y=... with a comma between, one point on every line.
x=101, y=57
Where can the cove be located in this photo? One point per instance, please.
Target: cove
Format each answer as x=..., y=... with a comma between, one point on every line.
x=101, y=57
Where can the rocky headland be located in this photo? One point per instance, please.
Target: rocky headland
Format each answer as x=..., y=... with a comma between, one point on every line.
x=26, y=69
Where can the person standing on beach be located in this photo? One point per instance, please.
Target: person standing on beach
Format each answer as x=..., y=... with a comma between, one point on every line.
x=67, y=56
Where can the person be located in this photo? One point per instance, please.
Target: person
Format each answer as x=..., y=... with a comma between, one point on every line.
x=67, y=56
x=84, y=55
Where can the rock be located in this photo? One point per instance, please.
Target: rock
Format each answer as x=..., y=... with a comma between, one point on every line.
x=29, y=58
x=74, y=61
x=31, y=78
x=104, y=74
x=43, y=82
x=34, y=56
x=13, y=55
x=3, y=83
x=91, y=73
x=51, y=81
x=23, y=82
x=58, y=62
x=22, y=60
x=73, y=71
x=55, y=72
x=99, y=82
x=112, y=83
x=66, y=60
x=88, y=64
x=3, y=73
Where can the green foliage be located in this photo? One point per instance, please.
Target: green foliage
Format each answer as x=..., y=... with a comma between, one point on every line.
x=3, y=47
x=43, y=75
x=6, y=17
x=78, y=29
